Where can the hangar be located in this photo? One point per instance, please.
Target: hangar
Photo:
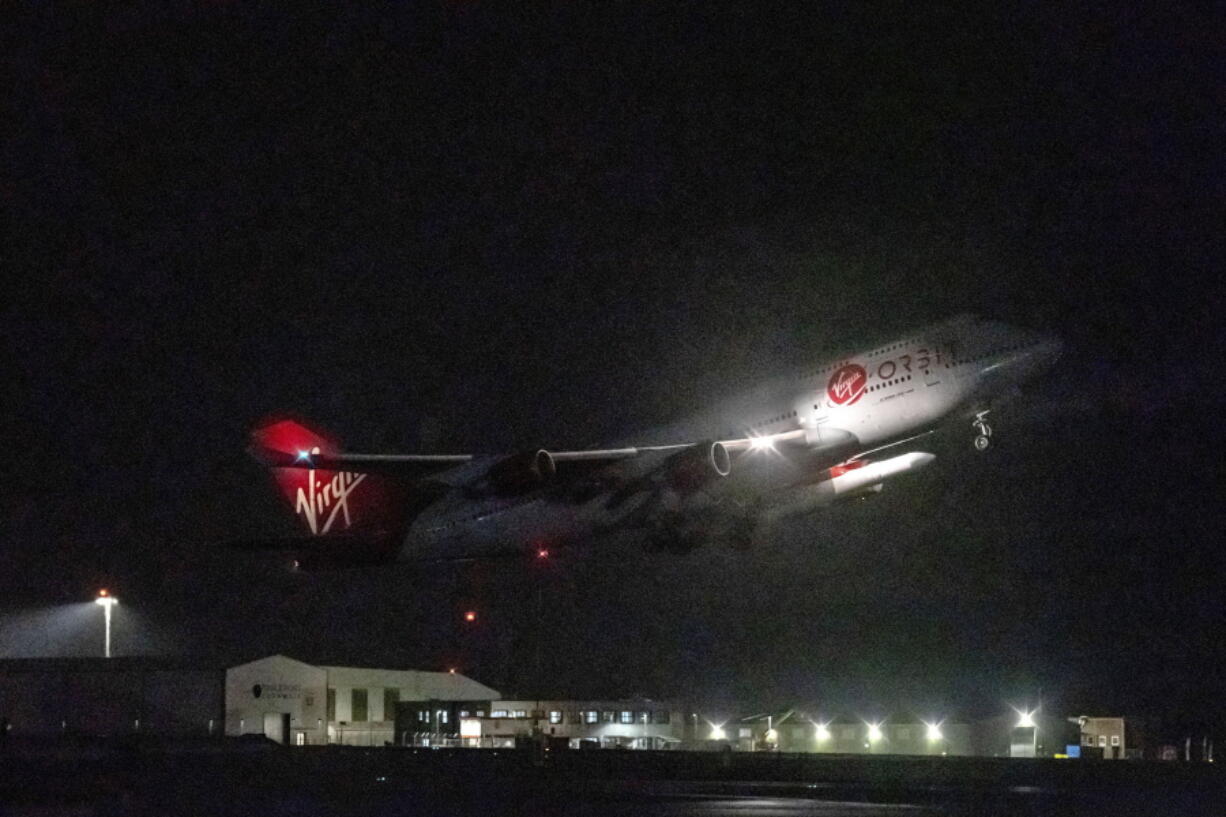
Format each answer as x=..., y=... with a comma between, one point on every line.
x=302, y=704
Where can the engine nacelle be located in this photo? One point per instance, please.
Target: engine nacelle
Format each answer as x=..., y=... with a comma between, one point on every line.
x=522, y=472
x=698, y=464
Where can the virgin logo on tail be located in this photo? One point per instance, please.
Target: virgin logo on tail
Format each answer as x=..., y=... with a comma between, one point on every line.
x=318, y=501
x=847, y=385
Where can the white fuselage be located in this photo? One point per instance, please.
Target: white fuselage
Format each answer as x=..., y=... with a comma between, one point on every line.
x=833, y=411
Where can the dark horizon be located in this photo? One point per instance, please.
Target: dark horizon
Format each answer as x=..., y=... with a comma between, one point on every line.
x=463, y=227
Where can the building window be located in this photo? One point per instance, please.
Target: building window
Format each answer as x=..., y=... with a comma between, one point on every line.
x=644, y=717
x=627, y=716
x=497, y=713
x=609, y=716
x=591, y=716
x=330, y=707
x=555, y=716
x=359, y=706
x=444, y=716
x=520, y=713
x=572, y=716
x=745, y=732
x=662, y=716
x=480, y=713
x=1115, y=740
x=464, y=713
x=391, y=697
x=1102, y=740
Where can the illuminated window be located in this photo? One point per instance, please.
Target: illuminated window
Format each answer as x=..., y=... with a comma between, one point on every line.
x=520, y=713
x=745, y=732
x=627, y=716
x=609, y=716
x=497, y=713
x=591, y=716
x=555, y=716
x=1115, y=740
x=1102, y=740
x=480, y=713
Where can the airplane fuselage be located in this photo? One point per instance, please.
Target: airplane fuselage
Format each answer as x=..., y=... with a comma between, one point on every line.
x=797, y=427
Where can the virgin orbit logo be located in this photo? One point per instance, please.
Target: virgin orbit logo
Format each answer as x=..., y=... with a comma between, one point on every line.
x=847, y=384
x=320, y=502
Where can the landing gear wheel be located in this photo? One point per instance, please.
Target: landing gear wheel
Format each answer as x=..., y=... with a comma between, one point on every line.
x=985, y=431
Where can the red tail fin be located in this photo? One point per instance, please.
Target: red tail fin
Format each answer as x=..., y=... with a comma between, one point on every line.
x=329, y=502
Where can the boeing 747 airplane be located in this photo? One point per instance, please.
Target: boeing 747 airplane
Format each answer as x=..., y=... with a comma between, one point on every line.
x=839, y=429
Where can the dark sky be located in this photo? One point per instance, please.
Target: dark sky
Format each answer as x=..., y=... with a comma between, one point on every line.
x=462, y=226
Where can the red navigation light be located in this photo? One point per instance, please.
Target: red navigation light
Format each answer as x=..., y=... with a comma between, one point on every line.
x=471, y=615
x=103, y=593
x=452, y=670
x=542, y=553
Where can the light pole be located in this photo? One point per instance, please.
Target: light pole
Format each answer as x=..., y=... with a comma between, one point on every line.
x=107, y=601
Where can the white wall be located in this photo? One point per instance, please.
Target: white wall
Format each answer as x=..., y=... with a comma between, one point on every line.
x=285, y=686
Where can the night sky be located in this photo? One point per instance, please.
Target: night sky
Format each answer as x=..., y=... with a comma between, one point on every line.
x=465, y=227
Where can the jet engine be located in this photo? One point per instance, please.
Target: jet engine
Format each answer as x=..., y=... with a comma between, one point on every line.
x=521, y=472
x=695, y=466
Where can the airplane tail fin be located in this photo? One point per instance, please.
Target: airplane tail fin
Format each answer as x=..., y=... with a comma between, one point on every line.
x=351, y=504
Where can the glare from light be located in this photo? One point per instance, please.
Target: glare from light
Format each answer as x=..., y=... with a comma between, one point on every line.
x=823, y=732
x=451, y=670
x=874, y=732
x=471, y=615
x=761, y=444
x=302, y=455
x=772, y=735
x=934, y=731
x=1025, y=720
x=542, y=553
x=717, y=731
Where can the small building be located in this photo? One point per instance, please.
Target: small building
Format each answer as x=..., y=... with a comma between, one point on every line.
x=1110, y=738
x=291, y=701
x=639, y=723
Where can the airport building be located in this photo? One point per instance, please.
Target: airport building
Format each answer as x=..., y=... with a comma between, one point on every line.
x=296, y=703
x=628, y=724
x=796, y=731
x=293, y=702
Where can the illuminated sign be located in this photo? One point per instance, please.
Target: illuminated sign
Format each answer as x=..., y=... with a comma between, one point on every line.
x=470, y=728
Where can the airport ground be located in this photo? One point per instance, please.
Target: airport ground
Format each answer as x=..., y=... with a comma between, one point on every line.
x=240, y=777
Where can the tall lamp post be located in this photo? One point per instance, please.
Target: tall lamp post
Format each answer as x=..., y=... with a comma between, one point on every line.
x=107, y=601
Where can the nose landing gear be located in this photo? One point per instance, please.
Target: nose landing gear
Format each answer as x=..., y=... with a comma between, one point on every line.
x=983, y=438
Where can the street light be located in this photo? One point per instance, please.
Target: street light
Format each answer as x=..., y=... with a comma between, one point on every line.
x=107, y=601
